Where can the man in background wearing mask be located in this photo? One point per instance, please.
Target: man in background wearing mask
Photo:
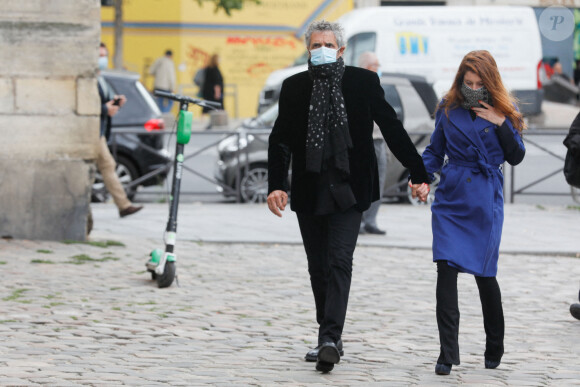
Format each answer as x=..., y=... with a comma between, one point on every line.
x=325, y=127
x=369, y=60
x=110, y=105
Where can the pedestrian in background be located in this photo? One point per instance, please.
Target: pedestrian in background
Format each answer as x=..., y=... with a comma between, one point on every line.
x=163, y=70
x=369, y=60
x=572, y=175
x=198, y=79
x=110, y=105
x=213, y=84
x=478, y=127
x=325, y=127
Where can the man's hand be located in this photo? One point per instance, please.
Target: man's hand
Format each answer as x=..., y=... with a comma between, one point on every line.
x=112, y=109
x=277, y=201
x=420, y=190
x=122, y=99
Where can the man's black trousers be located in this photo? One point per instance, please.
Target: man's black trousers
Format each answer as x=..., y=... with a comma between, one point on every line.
x=329, y=241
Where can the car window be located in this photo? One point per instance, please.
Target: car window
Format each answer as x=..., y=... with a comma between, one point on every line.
x=357, y=44
x=148, y=98
x=268, y=118
x=427, y=95
x=136, y=110
x=393, y=98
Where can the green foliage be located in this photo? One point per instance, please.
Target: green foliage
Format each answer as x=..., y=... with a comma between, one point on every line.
x=95, y=243
x=16, y=294
x=83, y=258
x=48, y=261
x=228, y=5
x=52, y=304
x=43, y=251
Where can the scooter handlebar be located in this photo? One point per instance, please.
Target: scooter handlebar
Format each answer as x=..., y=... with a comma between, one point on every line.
x=184, y=98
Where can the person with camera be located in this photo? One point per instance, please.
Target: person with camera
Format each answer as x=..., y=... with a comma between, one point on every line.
x=110, y=105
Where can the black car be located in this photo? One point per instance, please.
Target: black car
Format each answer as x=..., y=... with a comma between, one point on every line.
x=139, y=152
x=243, y=155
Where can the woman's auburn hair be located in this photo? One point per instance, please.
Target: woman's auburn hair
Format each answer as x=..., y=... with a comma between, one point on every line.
x=482, y=63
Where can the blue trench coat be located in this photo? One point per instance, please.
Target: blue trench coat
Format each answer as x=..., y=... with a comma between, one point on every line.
x=467, y=214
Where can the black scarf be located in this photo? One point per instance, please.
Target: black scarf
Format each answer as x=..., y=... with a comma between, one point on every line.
x=327, y=119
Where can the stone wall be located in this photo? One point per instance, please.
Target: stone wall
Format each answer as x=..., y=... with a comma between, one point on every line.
x=49, y=116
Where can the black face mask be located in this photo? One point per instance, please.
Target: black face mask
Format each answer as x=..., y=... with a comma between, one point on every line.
x=472, y=97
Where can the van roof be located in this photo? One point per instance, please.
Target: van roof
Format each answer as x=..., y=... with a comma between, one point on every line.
x=414, y=16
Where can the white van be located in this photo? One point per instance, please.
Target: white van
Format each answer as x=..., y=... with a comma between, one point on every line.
x=431, y=41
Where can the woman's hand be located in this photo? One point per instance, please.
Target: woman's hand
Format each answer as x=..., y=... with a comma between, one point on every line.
x=489, y=113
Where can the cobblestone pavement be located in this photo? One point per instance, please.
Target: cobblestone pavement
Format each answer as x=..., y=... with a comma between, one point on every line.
x=80, y=314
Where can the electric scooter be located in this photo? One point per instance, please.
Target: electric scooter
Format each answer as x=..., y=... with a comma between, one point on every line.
x=162, y=264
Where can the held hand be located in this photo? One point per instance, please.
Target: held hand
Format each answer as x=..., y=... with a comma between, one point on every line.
x=489, y=113
x=277, y=201
x=423, y=192
x=419, y=190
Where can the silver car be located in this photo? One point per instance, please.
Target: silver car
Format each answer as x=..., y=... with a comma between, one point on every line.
x=242, y=165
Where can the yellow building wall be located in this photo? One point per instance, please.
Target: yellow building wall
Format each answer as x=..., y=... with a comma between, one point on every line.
x=251, y=43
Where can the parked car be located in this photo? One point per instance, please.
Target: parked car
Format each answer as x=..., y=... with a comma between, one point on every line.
x=246, y=151
x=137, y=154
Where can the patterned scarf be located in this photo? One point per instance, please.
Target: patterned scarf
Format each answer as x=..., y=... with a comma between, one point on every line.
x=327, y=119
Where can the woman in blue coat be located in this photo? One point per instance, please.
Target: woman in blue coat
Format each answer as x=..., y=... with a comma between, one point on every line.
x=477, y=128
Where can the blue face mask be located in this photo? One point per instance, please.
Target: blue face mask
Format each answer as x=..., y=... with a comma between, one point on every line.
x=323, y=55
x=103, y=62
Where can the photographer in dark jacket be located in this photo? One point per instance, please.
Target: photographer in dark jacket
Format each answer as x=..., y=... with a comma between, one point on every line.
x=325, y=126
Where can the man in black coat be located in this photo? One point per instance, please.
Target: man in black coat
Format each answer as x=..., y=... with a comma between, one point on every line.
x=325, y=126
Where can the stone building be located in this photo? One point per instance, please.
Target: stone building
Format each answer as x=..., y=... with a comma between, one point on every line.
x=49, y=116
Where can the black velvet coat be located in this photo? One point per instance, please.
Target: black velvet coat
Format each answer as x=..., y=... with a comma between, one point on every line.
x=365, y=103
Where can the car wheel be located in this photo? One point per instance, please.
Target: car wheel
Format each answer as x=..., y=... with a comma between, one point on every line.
x=430, y=197
x=126, y=172
x=254, y=184
x=99, y=193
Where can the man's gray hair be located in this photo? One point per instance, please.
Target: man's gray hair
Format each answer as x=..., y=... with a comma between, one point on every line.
x=367, y=58
x=323, y=25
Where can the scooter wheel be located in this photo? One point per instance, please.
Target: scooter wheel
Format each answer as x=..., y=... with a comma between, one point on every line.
x=153, y=275
x=166, y=279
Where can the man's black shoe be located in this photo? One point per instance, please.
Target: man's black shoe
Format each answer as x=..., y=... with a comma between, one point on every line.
x=328, y=356
x=374, y=230
x=312, y=355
